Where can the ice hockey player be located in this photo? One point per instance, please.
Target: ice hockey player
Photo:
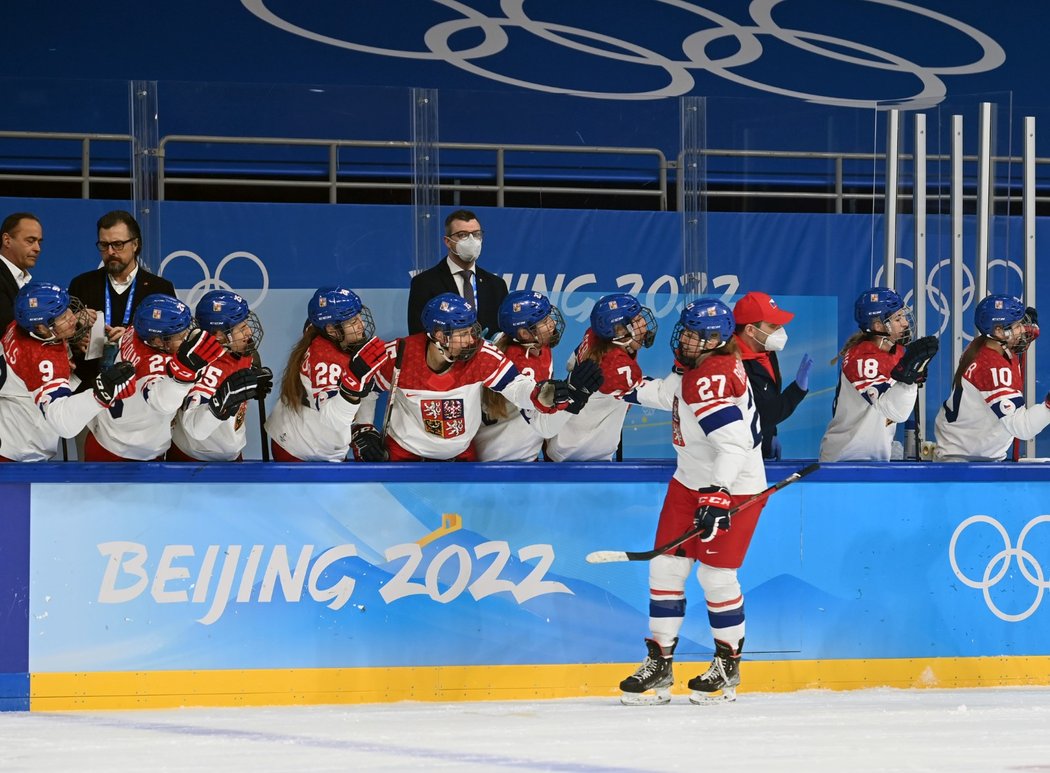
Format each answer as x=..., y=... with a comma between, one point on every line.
x=37, y=406
x=986, y=409
x=620, y=327
x=718, y=441
x=329, y=370
x=530, y=327
x=879, y=381
x=210, y=426
x=168, y=355
x=437, y=395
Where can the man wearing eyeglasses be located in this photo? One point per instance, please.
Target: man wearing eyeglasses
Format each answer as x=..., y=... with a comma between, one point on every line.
x=115, y=289
x=459, y=273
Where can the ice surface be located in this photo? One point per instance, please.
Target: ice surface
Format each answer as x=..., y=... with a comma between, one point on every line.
x=1000, y=729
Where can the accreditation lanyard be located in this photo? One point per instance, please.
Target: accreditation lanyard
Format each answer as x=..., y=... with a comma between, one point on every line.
x=127, y=308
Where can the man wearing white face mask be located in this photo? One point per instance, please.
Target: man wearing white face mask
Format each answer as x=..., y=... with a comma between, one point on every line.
x=761, y=334
x=459, y=273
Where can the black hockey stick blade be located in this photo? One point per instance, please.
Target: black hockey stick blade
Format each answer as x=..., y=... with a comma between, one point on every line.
x=612, y=556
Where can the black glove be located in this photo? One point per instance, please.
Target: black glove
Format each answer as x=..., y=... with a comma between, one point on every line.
x=196, y=352
x=712, y=512
x=1032, y=314
x=585, y=379
x=362, y=368
x=115, y=383
x=367, y=444
x=912, y=366
x=237, y=388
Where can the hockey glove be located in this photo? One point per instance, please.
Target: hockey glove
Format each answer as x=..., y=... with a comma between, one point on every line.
x=912, y=366
x=1032, y=314
x=238, y=388
x=367, y=444
x=115, y=383
x=197, y=352
x=357, y=379
x=585, y=379
x=712, y=512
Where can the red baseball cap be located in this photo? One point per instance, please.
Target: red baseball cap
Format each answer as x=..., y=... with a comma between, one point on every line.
x=759, y=307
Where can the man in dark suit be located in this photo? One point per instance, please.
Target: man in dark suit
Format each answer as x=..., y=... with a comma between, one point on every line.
x=459, y=273
x=21, y=237
x=116, y=289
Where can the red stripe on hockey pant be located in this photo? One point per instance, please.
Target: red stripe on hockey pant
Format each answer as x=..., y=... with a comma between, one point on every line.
x=280, y=455
x=94, y=452
x=399, y=453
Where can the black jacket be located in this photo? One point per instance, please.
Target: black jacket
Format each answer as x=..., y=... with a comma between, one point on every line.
x=772, y=404
x=90, y=288
x=438, y=279
x=8, y=291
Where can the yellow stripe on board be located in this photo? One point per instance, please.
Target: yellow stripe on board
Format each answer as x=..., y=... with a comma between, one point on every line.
x=283, y=687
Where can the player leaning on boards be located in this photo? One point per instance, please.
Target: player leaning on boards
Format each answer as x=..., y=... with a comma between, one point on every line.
x=168, y=355
x=329, y=370
x=879, y=382
x=210, y=426
x=986, y=409
x=37, y=406
x=530, y=327
x=436, y=392
x=718, y=441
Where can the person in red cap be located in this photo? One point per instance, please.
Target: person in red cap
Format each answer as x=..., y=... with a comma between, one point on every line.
x=760, y=333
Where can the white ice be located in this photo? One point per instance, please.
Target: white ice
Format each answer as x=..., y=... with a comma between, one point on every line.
x=1001, y=729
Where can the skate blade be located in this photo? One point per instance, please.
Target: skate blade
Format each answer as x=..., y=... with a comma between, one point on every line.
x=725, y=695
x=657, y=697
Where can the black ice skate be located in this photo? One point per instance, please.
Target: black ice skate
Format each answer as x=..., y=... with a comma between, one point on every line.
x=651, y=684
x=720, y=681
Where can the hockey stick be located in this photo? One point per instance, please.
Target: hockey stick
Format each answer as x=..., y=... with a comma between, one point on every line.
x=610, y=556
x=263, y=440
x=393, y=385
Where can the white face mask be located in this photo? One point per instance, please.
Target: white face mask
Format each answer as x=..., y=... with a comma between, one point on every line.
x=776, y=341
x=468, y=248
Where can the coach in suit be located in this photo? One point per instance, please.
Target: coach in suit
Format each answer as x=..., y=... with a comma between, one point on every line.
x=459, y=273
x=21, y=237
x=116, y=289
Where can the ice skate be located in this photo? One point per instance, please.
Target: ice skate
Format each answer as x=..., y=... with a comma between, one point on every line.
x=651, y=684
x=718, y=684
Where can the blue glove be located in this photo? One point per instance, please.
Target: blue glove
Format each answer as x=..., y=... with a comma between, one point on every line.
x=802, y=377
x=775, y=449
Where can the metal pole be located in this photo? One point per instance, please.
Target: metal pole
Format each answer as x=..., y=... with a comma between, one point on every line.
x=425, y=178
x=1028, y=205
x=984, y=200
x=957, y=303
x=919, y=209
x=893, y=128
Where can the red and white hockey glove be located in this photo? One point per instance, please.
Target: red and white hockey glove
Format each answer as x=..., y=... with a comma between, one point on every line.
x=198, y=351
x=114, y=383
x=362, y=368
x=712, y=512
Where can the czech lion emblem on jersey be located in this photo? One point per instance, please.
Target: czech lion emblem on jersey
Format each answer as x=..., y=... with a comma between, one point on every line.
x=443, y=418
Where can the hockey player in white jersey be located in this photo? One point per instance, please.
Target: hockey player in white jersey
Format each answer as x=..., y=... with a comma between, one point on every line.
x=37, y=404
x=879, y=381
x=210, y=426
x=620, y=327
x=718, y=440
x=530, y=327
x=169, y=355
x=329, y=370
x=437, y=395
x=986, y=408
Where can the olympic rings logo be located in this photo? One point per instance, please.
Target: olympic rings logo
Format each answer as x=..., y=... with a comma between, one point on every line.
x=1030, y=568
x=695, y=47
x=209, y=282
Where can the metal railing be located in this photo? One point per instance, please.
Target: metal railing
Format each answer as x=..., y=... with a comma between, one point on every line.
x=652, y=180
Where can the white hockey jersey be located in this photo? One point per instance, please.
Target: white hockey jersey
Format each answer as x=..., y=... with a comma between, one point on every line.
x=593, y=434
x=980, y=419
x=868, y=406
x=320, y=430
x=37, y=406
x=197, y=432
x=519, y=436
x=436, y=415
x=139, y=427
x=715, y=428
